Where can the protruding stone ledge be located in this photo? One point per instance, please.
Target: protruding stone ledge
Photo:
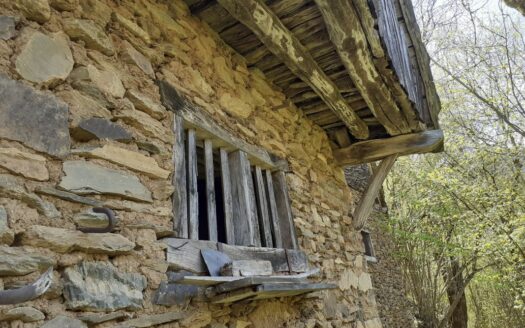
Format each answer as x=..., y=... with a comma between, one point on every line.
x=66, y=241
x=85, y=178
x=19, y=261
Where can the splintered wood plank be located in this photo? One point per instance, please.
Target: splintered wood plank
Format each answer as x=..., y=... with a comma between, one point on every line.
x=245, y=213
x=364, y=208
x=346, y=33
x=373, y=150
x=206, y=280
x=273, y=213
x=193, y=197
x=275, y=255
x=247, y=268
x=179, y=198
x=255, y=15
x=270, y=290
x=249, y=281
x=263, y=209
x=210, y=191
x=284, y=210
x=227, y=197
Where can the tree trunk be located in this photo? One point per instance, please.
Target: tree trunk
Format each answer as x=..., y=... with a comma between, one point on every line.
x=456, y=289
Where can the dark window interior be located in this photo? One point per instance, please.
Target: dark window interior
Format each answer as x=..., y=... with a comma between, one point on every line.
x=367, y=241
x=219, y=199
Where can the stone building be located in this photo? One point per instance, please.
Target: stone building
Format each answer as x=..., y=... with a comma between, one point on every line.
x=169, y=163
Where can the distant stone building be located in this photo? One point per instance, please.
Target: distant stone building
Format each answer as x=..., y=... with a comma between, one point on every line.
x=180, y=163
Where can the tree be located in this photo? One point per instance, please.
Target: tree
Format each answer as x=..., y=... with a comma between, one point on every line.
x=459, y=216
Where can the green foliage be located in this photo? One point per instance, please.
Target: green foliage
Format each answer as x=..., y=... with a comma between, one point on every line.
x=468, y=203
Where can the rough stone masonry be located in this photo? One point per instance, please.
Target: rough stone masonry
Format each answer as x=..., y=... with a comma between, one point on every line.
x=77, y=86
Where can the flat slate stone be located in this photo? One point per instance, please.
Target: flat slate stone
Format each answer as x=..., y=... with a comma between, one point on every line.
x=66, y=241
x=100, y=128
x=97, y=286
x=23, y=313
x=132, y=56
x=64, y=322
x=45, y=59
x=85, y=178
x=92, y=35
x=133, y=160
x=10, y=187
x=153, y=320
x=7, y=27
x=28, y=165
x=39, y=120
x=19, y=261
x=69, y=196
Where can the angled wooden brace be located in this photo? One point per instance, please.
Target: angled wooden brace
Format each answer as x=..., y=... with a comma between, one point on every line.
x=364, y=208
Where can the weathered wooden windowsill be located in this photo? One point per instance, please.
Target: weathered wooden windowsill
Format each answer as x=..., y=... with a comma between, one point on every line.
x=185, y=254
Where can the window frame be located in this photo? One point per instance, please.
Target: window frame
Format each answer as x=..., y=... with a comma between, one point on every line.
x=192, y=126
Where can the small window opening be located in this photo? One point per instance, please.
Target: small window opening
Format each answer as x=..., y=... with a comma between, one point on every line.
x=369, y=246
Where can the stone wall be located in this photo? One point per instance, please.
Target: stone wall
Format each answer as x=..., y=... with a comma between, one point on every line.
x=395, y=310
x=82, y=126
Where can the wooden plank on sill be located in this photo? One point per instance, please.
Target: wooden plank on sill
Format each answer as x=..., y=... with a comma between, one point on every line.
x=227, y=196
x=244, y=217
x=284, y=209
x=364, y=208
x=194, y=117
x=270, y=290
x=185, y=254
x=247, y=268
x=193, y=197
x=223, y=282
x=274, y=214
x=373, y=150
x=263, y=209
x=249, y=281
x=347, y=35
x=281, y=42
x=179, y=198
x=210, y=191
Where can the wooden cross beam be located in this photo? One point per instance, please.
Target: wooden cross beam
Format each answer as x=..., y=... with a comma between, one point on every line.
x=256, y=16
x=373, y=150
x=349, y=38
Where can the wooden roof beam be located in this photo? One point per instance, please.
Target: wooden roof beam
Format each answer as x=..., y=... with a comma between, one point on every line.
x=373, y=150
x=345, y=30
x=255, y=15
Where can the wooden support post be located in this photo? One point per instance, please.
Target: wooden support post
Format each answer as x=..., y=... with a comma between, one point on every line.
x=210, y=191
x=274, y=215
x=179, y=198
x=364, y=208
x=193, y=197
x=245, y=213
x=284, y=210
x=227, y=197
x=262, y=209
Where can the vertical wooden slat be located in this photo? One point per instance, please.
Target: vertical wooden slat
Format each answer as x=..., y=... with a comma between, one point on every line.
x=210, y=191
x=285, y=211
x=244, y=215
x=227, y=197
x=193, y=197
x=179, y=197
x=262, y=209
x=274, y=215
x=253, y=203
